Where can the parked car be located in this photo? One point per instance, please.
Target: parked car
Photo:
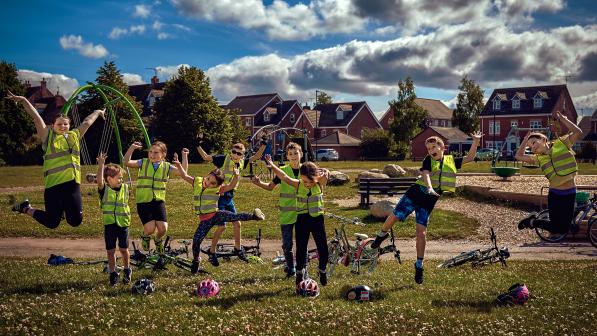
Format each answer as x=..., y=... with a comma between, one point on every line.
x=326, y=154
x=485, y=154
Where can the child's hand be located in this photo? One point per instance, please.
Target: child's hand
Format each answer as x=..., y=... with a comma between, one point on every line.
x=101, y=158
x=430, y=191
x=323, y=172
x=557, y=115
x=14, y=98
x=185, y=152
x=101, y=113
x=136, y=145
x=236, y=171
x=175, y=159
x=477, y=136
x=255, y=180
x=268, y=159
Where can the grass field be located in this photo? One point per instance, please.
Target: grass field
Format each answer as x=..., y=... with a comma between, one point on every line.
x=257, y=300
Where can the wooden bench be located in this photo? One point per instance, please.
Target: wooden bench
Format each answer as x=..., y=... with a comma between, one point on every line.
x=383, y=186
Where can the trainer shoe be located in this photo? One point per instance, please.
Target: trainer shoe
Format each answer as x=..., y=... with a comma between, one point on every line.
x=378, y=240
x=195, y=266
x=213, y=259
x=126, y=278
x=113, y=278
x=323, y=278
x=258, y=214
x=290, y=272
x=21, y=207
x=159, y=245
x=241, y=254
x=145, y=242
x=418, y=274
x=299, y=276
x=527, y=223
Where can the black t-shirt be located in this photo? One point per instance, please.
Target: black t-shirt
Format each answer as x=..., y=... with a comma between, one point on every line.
x=219, y=159
x=102, y=190
x=427, y=163
x=295, y=173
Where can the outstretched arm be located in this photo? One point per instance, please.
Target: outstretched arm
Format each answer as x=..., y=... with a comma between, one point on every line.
x=40, y=125
x=473, y=150
x=204, y=155
x=280, y=173
x=427, y=181
x=181, y=170
x=521, y=156
x=101, y=160
x=259, y=153
x=267, y=186
x=185, y=159
x=90, y=120
x=576, y=133
x=324, y=175
x=129, y=154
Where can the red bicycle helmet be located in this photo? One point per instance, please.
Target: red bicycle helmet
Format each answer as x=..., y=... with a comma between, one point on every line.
x=308, y=288
x=208, y=288
x=517, y=294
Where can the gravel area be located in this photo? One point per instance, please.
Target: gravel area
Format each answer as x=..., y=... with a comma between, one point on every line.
x=530, y=184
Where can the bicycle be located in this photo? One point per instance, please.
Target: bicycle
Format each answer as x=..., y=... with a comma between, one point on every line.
x=359, y=255
x=226, y=251
x=584, y=211
x=280, y=261
x=171, y=256
x=480, y=257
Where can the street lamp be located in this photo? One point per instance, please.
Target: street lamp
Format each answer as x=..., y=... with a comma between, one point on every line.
x=316, y=123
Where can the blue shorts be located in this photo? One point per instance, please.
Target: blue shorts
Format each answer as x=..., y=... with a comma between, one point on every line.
x=406, y=206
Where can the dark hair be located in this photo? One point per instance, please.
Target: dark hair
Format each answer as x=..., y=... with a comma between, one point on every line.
x=112, y=170
x=309, y=169
x=59, y=115
x=294, y=145
x=219, y=175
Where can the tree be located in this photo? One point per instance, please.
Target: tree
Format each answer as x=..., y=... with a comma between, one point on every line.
x=408, y=117
x=188, y=110
x=375, y=143
x=16, y=138
x=588, y=151
x=239, y=133
x=323, y=98
x=469, y=106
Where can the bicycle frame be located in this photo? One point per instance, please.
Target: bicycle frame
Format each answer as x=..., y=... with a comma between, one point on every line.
x=226, y=251
x=583, y=212
x=480, y=257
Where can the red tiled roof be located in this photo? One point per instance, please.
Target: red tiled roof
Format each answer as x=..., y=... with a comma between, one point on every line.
x=338, y=138
x=327, y=117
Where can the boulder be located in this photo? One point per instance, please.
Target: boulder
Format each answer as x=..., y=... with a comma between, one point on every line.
x=381, y=209
x=368, y=174
x=412, y=171
x=393, y=170
x=338, y=178
x=375, y=170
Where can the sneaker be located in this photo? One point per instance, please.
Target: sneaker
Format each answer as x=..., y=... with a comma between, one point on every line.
x=299, y=277
x=213, y=259
x=145, y=242
x=378, y=240
x=195, y=266
x=258, y=214
x=113, y=278
x=241, y=254
x=290, y=272
x=126, y=278
x=159, y=245
x=323, y=278
x=418, y=274
x=527, y=223
x=21, y=207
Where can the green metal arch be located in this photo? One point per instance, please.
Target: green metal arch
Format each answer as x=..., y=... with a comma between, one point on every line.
x=102, y=89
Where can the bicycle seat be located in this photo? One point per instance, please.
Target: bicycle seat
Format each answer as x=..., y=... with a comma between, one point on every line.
x=361, y=236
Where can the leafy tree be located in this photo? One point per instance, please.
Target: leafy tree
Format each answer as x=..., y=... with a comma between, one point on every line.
x=469, y=106
x=188, y=110
x=588, y=151
x=408, y=117
x=375, y=143
x=16, y=138
x=323, y=98
x=239, y=133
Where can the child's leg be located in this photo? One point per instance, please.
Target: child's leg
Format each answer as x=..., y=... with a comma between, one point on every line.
x=302, y=240
x=421, y=241
x=237, y=232
x=73, y=204
x=561, y=213
x=54, y=207
x=123, y=245
x=110, y=238
x=287, y=245
x=402, y=210
x=321, y=241
x=162, y=228
x=200, y=234
x=216, y=238
x=111, y=259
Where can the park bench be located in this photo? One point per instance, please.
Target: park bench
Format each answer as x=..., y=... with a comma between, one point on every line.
x=383, y=186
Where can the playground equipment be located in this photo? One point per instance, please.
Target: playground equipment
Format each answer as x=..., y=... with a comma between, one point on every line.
x=509, y=147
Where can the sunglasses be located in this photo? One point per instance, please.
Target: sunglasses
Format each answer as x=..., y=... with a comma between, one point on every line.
x=237, y=153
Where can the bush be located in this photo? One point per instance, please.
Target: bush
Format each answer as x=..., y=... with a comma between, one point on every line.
x=375, y=143
x=588, y=151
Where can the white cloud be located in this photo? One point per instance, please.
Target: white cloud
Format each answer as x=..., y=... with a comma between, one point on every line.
x=142, y=11
x=56, y=83
x=118, y=32
x=157, y=25
x=86, y=49
x=132, y=79
x=181, y=27
x=163, y=36
x=168, y=71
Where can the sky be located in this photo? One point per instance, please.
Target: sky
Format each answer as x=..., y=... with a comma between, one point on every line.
x=354, y=50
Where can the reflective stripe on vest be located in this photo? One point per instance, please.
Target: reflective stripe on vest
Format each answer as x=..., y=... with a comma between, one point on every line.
x=444, y=179
x=151, y=183
x=205, y=200
x=62, y=162
x=287, y=202
x=115, y=206
x=312, y=204
x=559, y=162
x=228, y=169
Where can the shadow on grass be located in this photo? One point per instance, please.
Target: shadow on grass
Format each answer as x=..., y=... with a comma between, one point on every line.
x=51, y=288
x=250, y=281
x=229, y=302
x=480, y=306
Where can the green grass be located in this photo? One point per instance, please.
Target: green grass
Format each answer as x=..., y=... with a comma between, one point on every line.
x=257, y=300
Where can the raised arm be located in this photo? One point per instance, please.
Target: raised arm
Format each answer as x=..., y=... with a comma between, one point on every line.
x=204, y=155
x=259, y=153
x=280, y=173
x=521, y=156
x=181, y=170
x=40, y=125
x=185, y=159
x=90, y=120
x=576, y=132
x=129, y=154
x=234, y=182
x=470, y=157
x=267, y=186
x=101, y=160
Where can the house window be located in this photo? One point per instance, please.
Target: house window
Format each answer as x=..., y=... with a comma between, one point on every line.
x=535, y=124
x=390, y=120
x=513, y=123
x=151, y=101
x=496, y=104
x=339, y=115
x=248, y=122
x=292, y=118
x=516, y=104
x=489, y=144
x=498, y=145
x=494, y=129
x=537, y=103
x=322, y=133
x=265, y=116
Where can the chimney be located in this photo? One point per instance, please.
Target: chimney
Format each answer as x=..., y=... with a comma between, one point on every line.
x=154, y=81
x=27, y=84
x=306, y=107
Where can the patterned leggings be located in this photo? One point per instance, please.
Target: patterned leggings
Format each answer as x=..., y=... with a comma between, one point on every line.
x=219, y=219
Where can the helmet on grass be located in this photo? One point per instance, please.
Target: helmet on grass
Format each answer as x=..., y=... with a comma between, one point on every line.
x=359, y=293
x=308, y=288
x=143, y=286
x=516, y=294
x=208, y=288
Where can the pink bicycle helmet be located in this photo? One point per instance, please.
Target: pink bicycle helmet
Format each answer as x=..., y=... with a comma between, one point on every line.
x=308, y=288
x=517, y=294
x=208, y=288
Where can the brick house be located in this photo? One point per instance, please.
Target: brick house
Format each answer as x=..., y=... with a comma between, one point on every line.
x=438, y=113
x=348, y=118
x=588, y=125
x=523, y=107
x=44, y=101
x=348, y=147
x=148, y=94
x=455, y=140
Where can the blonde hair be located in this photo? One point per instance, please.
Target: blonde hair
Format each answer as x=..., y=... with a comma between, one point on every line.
x=161, y=146
x=537, y=135
x=435, y=139
x=112, y=170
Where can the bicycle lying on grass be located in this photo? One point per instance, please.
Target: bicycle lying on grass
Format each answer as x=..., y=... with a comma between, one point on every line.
x=226, y=251
x=360, y=255
x=171, y=256
x=480, y=257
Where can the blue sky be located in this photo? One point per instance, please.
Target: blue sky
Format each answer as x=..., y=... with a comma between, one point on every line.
x=353, y=49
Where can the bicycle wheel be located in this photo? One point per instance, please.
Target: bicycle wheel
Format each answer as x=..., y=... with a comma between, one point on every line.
x=366, y=257
x=335, y=253
x=592, y=230
x=546, y=235
x=460, y=259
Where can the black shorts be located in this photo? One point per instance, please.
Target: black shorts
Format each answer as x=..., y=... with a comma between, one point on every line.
x=152, y=211
x=113, y=232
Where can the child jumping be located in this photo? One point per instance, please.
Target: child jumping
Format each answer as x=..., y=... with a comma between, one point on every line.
x=310, y=220
x=287, y=203
x=558, y=164
x=62, y=167
x=438, y=175
x=227, y=163
x=116, y=214
x=206, y=193
x=150, y=195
